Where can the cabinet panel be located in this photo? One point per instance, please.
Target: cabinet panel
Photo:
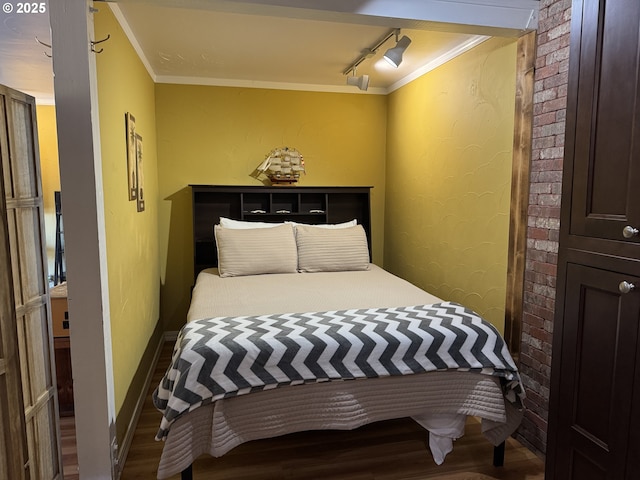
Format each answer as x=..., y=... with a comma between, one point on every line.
x=598, y=352
x=633, y=453
x=585, y=468
x=603, y=122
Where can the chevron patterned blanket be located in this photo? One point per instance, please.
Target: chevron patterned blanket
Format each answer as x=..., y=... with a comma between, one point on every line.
x=225, y=357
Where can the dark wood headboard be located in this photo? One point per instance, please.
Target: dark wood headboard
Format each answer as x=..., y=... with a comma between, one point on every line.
x=313, y=205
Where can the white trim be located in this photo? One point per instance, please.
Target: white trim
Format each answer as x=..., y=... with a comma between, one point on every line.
x=122, y=20
x=441, y=60
x=226, y=82
x=78, y=132
x=42, y=98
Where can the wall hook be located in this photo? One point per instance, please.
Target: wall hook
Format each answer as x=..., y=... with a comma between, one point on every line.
x=46, y=45
x=95, y=42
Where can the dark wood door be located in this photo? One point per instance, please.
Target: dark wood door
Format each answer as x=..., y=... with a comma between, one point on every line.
x=593, y=409
x=599, y=346
x=603, y=122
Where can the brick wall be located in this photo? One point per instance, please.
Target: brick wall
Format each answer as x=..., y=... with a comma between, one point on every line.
x=550, y=94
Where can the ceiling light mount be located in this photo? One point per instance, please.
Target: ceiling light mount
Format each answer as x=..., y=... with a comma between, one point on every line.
x=369, y=52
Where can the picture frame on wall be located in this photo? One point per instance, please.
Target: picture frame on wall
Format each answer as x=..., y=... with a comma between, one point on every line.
x=132, y=165
x=139, y=174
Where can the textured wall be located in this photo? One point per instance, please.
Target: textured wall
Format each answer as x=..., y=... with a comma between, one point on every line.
x=552, y=64
x=219, y=135
x=132, y=236
x=450, y=141
x=50, y=170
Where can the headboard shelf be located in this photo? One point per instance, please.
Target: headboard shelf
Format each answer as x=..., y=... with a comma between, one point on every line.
x=313, y=205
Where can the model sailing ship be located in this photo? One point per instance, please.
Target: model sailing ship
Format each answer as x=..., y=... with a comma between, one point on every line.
x=283, y=166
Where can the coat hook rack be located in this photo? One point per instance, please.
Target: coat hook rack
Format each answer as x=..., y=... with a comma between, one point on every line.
x=46, y=45
x=96, y=42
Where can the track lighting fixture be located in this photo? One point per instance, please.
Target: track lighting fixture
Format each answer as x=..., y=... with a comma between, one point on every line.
x=362, y=82
x=394, y=54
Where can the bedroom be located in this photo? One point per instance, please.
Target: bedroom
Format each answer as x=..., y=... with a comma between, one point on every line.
x=153, y=111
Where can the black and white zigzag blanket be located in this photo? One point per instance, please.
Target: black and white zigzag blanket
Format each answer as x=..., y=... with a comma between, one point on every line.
x=230, y=356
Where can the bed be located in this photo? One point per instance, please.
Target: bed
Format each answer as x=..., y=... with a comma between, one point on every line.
x=296, y=330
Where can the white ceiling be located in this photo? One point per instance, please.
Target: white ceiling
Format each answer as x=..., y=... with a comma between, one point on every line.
x=23, y=63
x=292, y=44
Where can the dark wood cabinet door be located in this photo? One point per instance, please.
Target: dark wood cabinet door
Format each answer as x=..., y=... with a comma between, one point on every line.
x=597, y=369
x=594, y=416
x=603, y=121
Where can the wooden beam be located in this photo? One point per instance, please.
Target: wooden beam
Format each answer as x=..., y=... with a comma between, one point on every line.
x=521, y=168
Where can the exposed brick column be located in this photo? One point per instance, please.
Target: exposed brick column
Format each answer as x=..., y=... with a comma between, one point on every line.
x=549, y=113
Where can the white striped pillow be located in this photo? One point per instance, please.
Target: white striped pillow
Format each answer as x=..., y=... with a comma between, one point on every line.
x=254, y=251
x=331, y=249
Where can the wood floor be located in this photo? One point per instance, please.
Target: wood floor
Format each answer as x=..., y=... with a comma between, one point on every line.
x=69, y=450
x=391, y=450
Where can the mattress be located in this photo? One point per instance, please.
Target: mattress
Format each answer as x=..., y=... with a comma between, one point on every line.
x=214, y=296
x=439, y=401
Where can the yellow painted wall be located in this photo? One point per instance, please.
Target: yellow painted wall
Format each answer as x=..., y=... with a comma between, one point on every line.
x=132, y=237
x=50, y=172
x=449, y=154
x=219, y=135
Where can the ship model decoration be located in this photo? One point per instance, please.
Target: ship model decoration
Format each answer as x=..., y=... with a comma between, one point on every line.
x=283, y=166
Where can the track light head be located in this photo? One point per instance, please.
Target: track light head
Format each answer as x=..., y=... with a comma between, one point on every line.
x=394, y=54
x=362, y=82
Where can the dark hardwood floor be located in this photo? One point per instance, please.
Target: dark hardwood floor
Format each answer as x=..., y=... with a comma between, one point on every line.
x=69, y=450
x=392, y=450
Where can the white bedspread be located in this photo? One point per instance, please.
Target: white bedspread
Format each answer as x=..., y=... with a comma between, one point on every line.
x=439, y=401
x=214, y=296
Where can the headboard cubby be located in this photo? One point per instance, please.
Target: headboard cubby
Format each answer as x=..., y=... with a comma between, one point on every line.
x=312, y=205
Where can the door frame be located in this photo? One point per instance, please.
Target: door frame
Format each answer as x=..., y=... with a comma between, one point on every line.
x=75, y=87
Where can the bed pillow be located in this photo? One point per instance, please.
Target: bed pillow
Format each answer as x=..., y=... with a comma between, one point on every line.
x=351, y=223
x=238, y=224
x=256, y=251
x=331, y=249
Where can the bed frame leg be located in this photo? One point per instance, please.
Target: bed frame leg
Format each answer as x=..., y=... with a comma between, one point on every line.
x=498, y=455
x=187, y=473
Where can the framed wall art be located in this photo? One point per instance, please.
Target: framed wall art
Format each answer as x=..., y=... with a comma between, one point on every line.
x=139, y=174
x=132, y=176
